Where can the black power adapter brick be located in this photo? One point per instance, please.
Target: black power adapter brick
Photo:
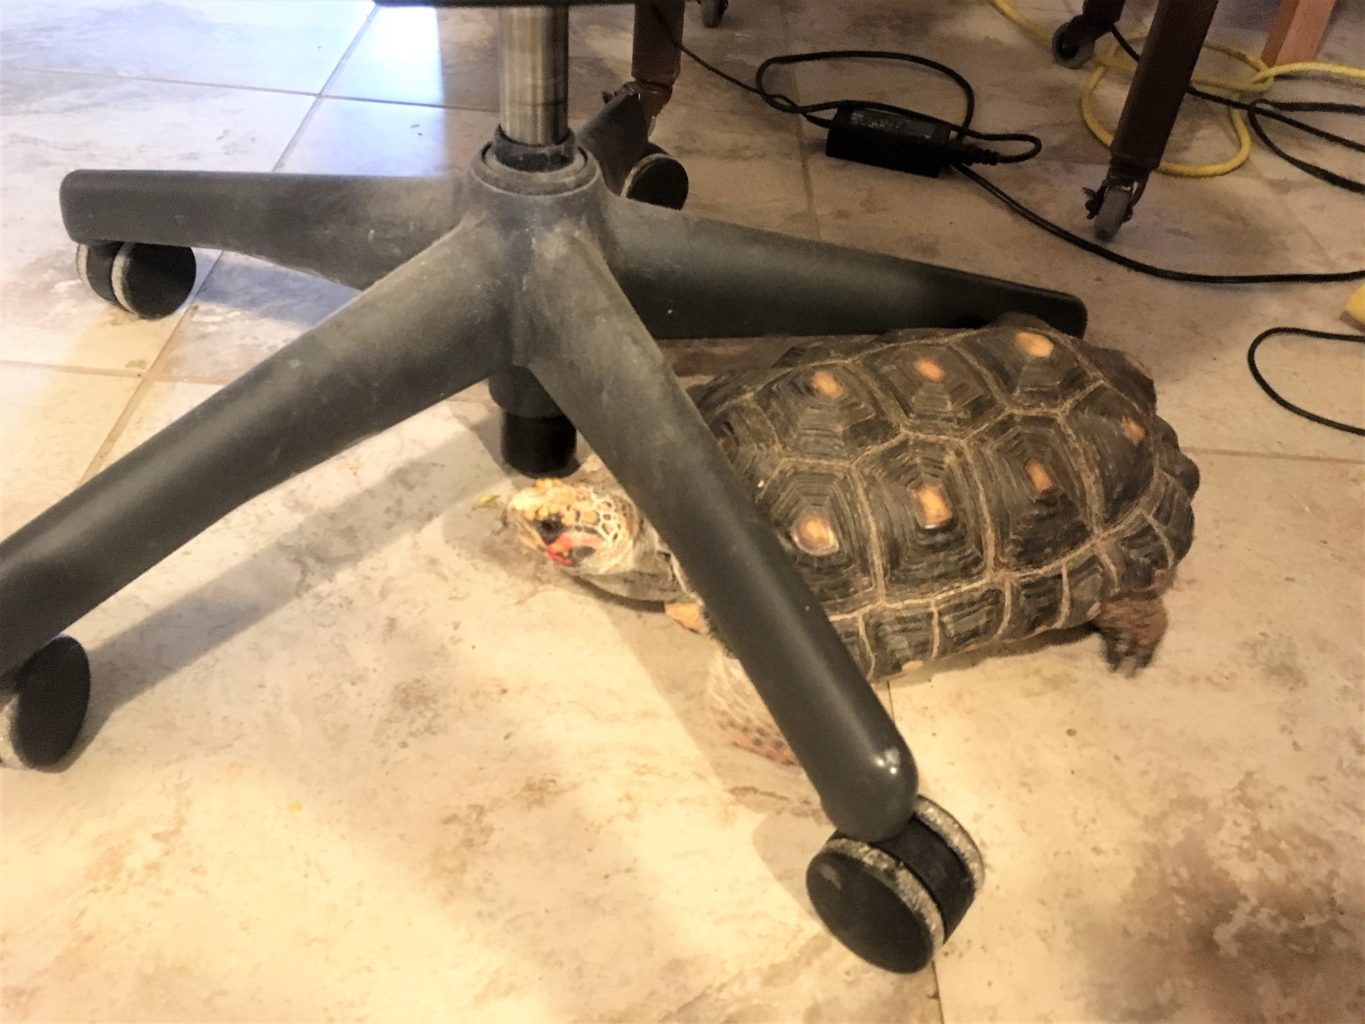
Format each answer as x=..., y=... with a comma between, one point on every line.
x=897, y=142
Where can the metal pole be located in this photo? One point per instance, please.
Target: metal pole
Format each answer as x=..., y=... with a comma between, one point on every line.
x=535, y=74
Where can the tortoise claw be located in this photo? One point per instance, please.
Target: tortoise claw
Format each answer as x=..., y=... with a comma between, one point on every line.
x=1125, y=656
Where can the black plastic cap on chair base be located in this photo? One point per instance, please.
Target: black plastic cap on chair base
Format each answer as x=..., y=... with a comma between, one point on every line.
x=657, y=179
x=44, y=705
x=149, y=281
x=896, y=902
x=539, y=446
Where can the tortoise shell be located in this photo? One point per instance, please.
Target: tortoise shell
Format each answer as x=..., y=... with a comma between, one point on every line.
x=941, y=490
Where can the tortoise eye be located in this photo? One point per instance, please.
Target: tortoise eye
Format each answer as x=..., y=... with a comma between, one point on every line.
x=550, y=527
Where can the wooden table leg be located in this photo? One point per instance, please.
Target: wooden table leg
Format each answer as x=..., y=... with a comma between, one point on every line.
x=1296, y=33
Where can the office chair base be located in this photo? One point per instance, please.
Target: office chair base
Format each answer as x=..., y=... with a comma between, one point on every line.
x=559, y=293
x=43, y=704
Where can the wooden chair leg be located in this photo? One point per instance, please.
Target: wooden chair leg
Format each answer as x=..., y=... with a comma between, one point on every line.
x=1296, y=33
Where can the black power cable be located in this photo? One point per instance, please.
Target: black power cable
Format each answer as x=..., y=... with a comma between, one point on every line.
x=1278, y=398
x=962, y=129
x=958, y=154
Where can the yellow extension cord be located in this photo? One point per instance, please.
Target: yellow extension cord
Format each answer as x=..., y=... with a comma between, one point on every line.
x=1260, y=81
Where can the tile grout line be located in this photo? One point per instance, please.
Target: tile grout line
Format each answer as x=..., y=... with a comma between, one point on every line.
x=262, y=89
x=161, y=81
x=116, y=373
x=145, y=378
x=151, y=375
x=800, y=130
x=322, y=93
x=1337, y=460
x=90, y=371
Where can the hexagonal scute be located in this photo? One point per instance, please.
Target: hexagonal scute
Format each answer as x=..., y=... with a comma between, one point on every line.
x=1116, y=443
x=1088, y=584
x=970, y=618
x=826, y=411
x=1174, y=515
x=1125, y=374
x=725, y=388
x=748, y=440
x=1036, y=606
x=938, y=391
x=842, y=573
x=1036, y=499
x=900, y=637
x=849, y=628
x=1139, y=554
x=813, y=350
x=1171, y=458
x=1034, y=369
x=926, y=518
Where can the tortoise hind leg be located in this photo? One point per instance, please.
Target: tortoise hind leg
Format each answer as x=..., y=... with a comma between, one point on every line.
x=1132, y=627
x=735, y=706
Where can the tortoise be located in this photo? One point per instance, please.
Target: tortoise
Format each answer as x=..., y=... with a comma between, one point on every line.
x=939, y=490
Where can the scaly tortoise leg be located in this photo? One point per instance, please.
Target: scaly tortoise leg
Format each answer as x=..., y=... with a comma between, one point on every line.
x=735, y=706
x=731, y=699
x=1132, y=628
x=687, y=614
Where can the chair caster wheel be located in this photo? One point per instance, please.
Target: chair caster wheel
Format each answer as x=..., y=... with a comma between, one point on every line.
x=1111, y=206
x=712, y=11
x=43, y=704
x=1071, y=48
x=894, y=903
x=149, y=281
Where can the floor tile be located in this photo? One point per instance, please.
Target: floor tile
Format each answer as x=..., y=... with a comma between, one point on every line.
x=352, y=756
x=248, y=308
x=745, y=165
x=450, y=58
x=53, y=423
x=55, y=123
x=743, y=161
x=286, y=44
x=1186, y=844
x=360, y=675
x=1192, y=338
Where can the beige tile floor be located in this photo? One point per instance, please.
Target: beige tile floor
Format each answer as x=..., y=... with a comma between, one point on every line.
x=350, y=757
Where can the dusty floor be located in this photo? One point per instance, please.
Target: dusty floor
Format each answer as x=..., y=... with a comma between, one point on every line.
x=352, y=757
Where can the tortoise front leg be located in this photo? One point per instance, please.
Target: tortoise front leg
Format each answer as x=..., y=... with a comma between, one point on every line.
x=1132, y=627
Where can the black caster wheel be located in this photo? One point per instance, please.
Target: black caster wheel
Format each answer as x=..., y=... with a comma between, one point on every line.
x=658, y=179
x=712, y=11
x=1070, y=49
x=895, y=903
x=42, y=706
x=1115, y=206
x=150, y=281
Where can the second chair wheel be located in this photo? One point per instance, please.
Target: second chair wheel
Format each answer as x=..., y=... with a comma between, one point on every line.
x=43, y=704
x=895, y=902
x=1071, y=47
x=1115, y=207
x=712, y=11
x=150, y=281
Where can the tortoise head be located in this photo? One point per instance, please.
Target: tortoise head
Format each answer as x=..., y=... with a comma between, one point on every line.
x=588, y=530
